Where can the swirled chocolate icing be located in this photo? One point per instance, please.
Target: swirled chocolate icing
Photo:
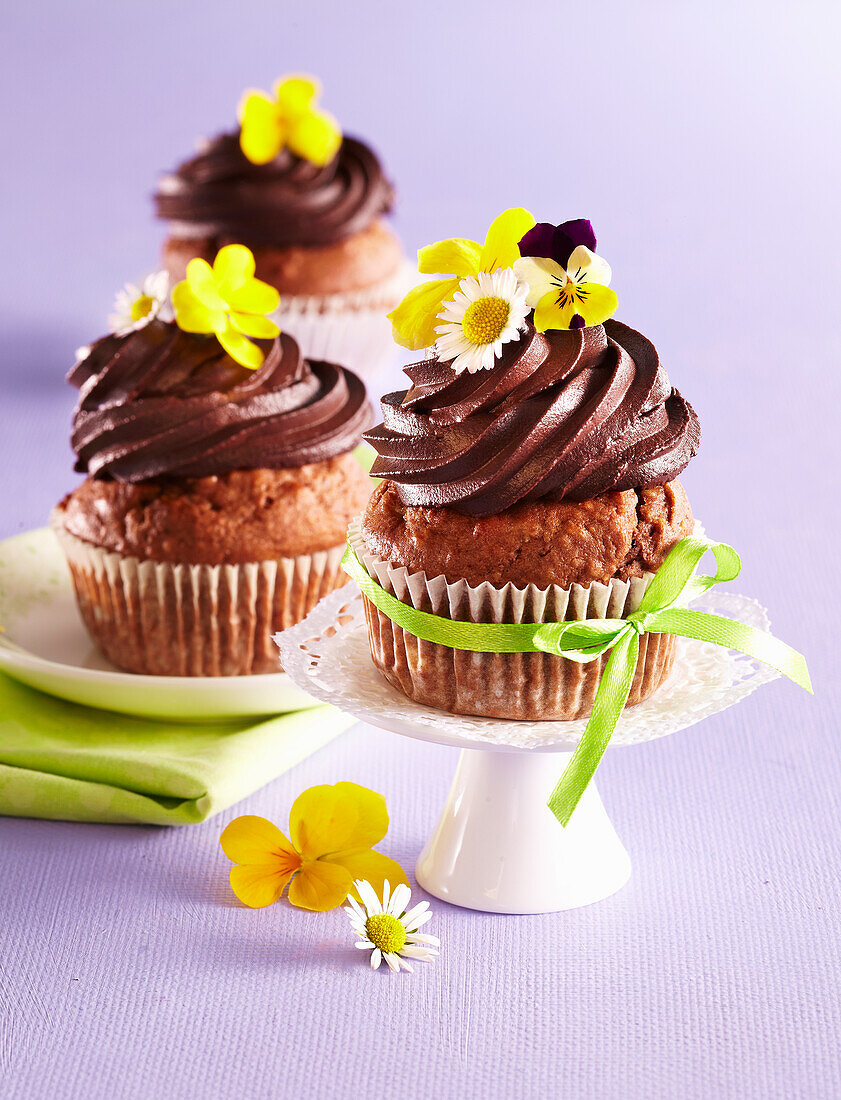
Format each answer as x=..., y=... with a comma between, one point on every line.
x=562, y=415
x=160, y=402
x=289, y=201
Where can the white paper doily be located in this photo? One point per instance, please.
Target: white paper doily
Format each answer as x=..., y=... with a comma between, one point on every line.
x=327, y=655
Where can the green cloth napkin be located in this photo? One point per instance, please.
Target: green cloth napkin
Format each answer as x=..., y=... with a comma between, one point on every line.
x=67, y=762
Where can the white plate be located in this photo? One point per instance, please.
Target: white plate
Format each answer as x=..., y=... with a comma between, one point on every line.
x=44, y=643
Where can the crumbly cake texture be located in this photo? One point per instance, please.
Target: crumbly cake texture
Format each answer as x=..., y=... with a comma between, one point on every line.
x=234, y=518
x=618, y=534
x=355, y=263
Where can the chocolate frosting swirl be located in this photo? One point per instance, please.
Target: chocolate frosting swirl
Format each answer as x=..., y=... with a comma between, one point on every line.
x=289, y=201
x=160, y=402
x=562, y=415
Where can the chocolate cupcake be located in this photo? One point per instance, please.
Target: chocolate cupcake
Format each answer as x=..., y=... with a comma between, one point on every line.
x=311, y=204
x=216, y=496
x=528, y=476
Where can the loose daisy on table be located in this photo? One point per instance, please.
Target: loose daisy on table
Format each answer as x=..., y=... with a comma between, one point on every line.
x=487, y=311
x=387, y=930
x=136, y=306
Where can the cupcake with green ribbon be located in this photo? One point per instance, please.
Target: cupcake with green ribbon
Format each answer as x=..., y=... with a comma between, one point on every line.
x=529, y=471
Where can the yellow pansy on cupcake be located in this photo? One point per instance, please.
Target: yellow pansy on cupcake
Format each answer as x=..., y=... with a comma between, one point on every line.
x=220, y=475
x=310, y=203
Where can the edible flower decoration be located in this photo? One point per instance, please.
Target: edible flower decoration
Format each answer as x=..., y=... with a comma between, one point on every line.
x=487, y=311
x=332, y=831
x=417, y=318
x=389, y=929
x=288, y=118
x=135, y=306
x=227, y=300
x=569, y=285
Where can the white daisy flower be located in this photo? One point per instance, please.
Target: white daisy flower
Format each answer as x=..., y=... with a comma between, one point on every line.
x=136, y=306
x=487, y=311
x=387, y=929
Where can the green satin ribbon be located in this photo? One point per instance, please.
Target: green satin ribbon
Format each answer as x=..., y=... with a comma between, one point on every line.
x=662, y=610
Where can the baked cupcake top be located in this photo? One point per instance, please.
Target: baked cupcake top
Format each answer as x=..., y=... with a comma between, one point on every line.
x=196, y=396
x=503, y=412
x=286, y=178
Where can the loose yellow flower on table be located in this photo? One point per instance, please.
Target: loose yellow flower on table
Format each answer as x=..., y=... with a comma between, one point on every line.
x=332, y=831
x=415, y=319
x=287, y=119
x=227, y=300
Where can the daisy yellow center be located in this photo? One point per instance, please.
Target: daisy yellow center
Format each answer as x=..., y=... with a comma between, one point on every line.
x=385, y=931
x=485, y=319
x=141, y=307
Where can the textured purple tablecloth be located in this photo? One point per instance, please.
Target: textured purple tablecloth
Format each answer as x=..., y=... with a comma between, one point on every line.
x=702, y=141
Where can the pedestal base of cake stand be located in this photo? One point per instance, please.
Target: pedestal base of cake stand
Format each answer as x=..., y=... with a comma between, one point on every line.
x=498, y=847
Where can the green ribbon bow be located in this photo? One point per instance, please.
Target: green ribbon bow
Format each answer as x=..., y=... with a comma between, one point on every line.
x=661, y=611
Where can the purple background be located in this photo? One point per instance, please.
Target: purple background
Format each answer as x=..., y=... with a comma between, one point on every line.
x=702, y=140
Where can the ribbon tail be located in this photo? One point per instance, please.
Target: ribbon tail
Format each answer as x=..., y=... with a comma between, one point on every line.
x=704, y=627
x=613, y=692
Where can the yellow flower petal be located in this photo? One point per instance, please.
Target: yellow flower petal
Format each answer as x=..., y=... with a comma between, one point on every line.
x=261, y=144
x=255, y=106
x=201, y=281
x=296, y=94
x=552, y=312
x=320, y=886
x=315, y=136
x=501, y=246
x=240, y=348
x=415, y=318
x=456, y=256
x=190, y=314
x=261, y=127
x=372, y=866
x=258, y=886
x=255, y=297
x=232, y=268
x=251, y=325
x=336, y=818
x=252, y=839
x=543, y=276
x=595, y=302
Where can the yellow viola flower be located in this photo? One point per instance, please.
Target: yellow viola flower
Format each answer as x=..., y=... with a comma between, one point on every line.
x=288, y=118
x=571, y=297
x=569, y=285
x=415, y=319
x=227, y=300
x=332, y=831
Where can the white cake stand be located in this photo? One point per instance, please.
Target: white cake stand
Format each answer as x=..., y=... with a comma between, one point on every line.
x=497, y=847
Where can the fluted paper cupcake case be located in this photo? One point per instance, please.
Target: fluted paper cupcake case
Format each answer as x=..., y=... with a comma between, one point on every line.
x=166, y=619
x=349, y=329
x=520, y=686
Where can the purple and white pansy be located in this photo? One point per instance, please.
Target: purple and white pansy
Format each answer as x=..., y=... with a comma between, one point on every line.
x=568, y=283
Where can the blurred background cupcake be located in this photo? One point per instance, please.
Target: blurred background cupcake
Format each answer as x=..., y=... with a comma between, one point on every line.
x=311, y=204
x=220, y=476
x=529, y=471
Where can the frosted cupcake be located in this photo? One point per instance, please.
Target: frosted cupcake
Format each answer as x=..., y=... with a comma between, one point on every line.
x=220, y=477
x=311, y=204
x=529, y=470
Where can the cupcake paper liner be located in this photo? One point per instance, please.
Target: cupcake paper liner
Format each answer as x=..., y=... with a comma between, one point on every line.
x=166, y=619
x=349, y=329
x=521, y=686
